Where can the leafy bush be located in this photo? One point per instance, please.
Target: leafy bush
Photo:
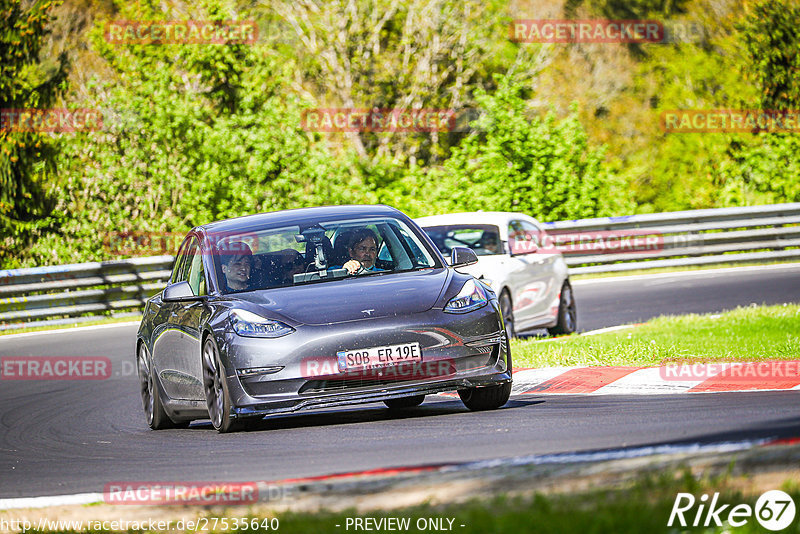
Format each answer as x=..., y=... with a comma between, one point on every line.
x=518, y=161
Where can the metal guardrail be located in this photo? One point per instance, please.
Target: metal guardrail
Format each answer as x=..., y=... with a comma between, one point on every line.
x=685, y=238
x=77, y=289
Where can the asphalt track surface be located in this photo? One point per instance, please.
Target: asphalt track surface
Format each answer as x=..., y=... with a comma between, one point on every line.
x=64, y=437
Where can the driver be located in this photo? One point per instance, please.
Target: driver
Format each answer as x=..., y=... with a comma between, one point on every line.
x=490, y=242
x=363, y=250
x=237, y=264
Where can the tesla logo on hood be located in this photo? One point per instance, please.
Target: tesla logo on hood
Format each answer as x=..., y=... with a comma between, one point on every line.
x=368, y=312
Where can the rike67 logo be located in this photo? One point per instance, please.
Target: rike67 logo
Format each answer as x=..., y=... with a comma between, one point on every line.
x=774, y=510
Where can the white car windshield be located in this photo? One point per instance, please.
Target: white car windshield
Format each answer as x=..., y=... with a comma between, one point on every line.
x=484, y=239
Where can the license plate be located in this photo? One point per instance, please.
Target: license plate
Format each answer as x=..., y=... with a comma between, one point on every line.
x=374, y=357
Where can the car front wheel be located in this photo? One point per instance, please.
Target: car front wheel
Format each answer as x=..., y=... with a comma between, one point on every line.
x=485, y=398
x=216, y=389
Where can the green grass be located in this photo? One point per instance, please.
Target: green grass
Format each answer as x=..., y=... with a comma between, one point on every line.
x=643, y=506
x=744, y=334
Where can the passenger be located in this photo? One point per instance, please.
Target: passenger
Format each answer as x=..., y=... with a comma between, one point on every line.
x=363, y=249
x=237, y=264
x=490, y=242
x=291, y=263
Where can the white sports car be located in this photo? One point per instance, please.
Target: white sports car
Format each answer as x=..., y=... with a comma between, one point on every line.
x=532, y=282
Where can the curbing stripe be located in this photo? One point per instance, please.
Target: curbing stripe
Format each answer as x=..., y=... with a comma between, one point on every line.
x=582, y=380
x=749, y=377
x=675, y=378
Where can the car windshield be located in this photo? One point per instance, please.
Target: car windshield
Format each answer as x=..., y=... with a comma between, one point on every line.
x=484, y=239
x=293, y=255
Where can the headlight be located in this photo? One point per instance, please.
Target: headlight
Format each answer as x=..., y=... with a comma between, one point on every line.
x=249, y=324
x=471, y=297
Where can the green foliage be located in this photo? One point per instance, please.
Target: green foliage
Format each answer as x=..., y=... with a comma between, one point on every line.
x=400, y=55
x=518, y=161
x=195, y=133
x=192, y=134
x=769, y=165
x=27, y=158
x=770, y=36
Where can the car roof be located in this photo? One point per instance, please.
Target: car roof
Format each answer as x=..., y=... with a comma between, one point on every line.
x=297, y=216
x=500, y=218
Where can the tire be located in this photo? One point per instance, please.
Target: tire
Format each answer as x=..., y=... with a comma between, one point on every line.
x=507, y=309
x=156, y=416
x=567, y=312
x=404, y=402
x=485, y=398
x=215, y=386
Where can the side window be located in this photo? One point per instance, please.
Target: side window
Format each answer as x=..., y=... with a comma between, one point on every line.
x=419, y=256
x=179, y=269
x=196, y=276
x=532, y=233
x=521, y=239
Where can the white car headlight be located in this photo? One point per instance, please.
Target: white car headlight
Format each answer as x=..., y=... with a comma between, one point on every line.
x=249, y=324
x=471, y=297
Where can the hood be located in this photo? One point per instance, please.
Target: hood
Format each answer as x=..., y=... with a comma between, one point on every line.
x=349, y=299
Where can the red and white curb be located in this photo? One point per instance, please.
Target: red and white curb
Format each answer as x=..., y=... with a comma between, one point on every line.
x=667, y=379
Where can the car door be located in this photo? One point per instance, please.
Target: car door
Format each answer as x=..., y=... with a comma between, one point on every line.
x=166, y=337
x=528, y=277
x=187, y=319
x=546, y=271
x=178, y=342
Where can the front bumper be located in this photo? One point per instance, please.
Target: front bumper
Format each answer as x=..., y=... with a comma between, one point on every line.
x=459, y=351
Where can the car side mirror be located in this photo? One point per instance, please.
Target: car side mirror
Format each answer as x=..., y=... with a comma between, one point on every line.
x=462, y=256
x=178, y=291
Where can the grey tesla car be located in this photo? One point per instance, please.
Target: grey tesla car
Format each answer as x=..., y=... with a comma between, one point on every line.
x=312, y=308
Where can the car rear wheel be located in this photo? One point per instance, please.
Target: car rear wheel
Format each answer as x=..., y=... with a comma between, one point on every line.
x=507, y=310
x=157, y=418
x=216, y=389
x=567, y=312
x=404, y=402
x=485, y=398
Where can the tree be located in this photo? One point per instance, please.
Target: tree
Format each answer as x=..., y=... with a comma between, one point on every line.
x=27, y=158
x=406, y=55
x=518, y=161
x=192, y=134
x=769, y=33
x=767, y=167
